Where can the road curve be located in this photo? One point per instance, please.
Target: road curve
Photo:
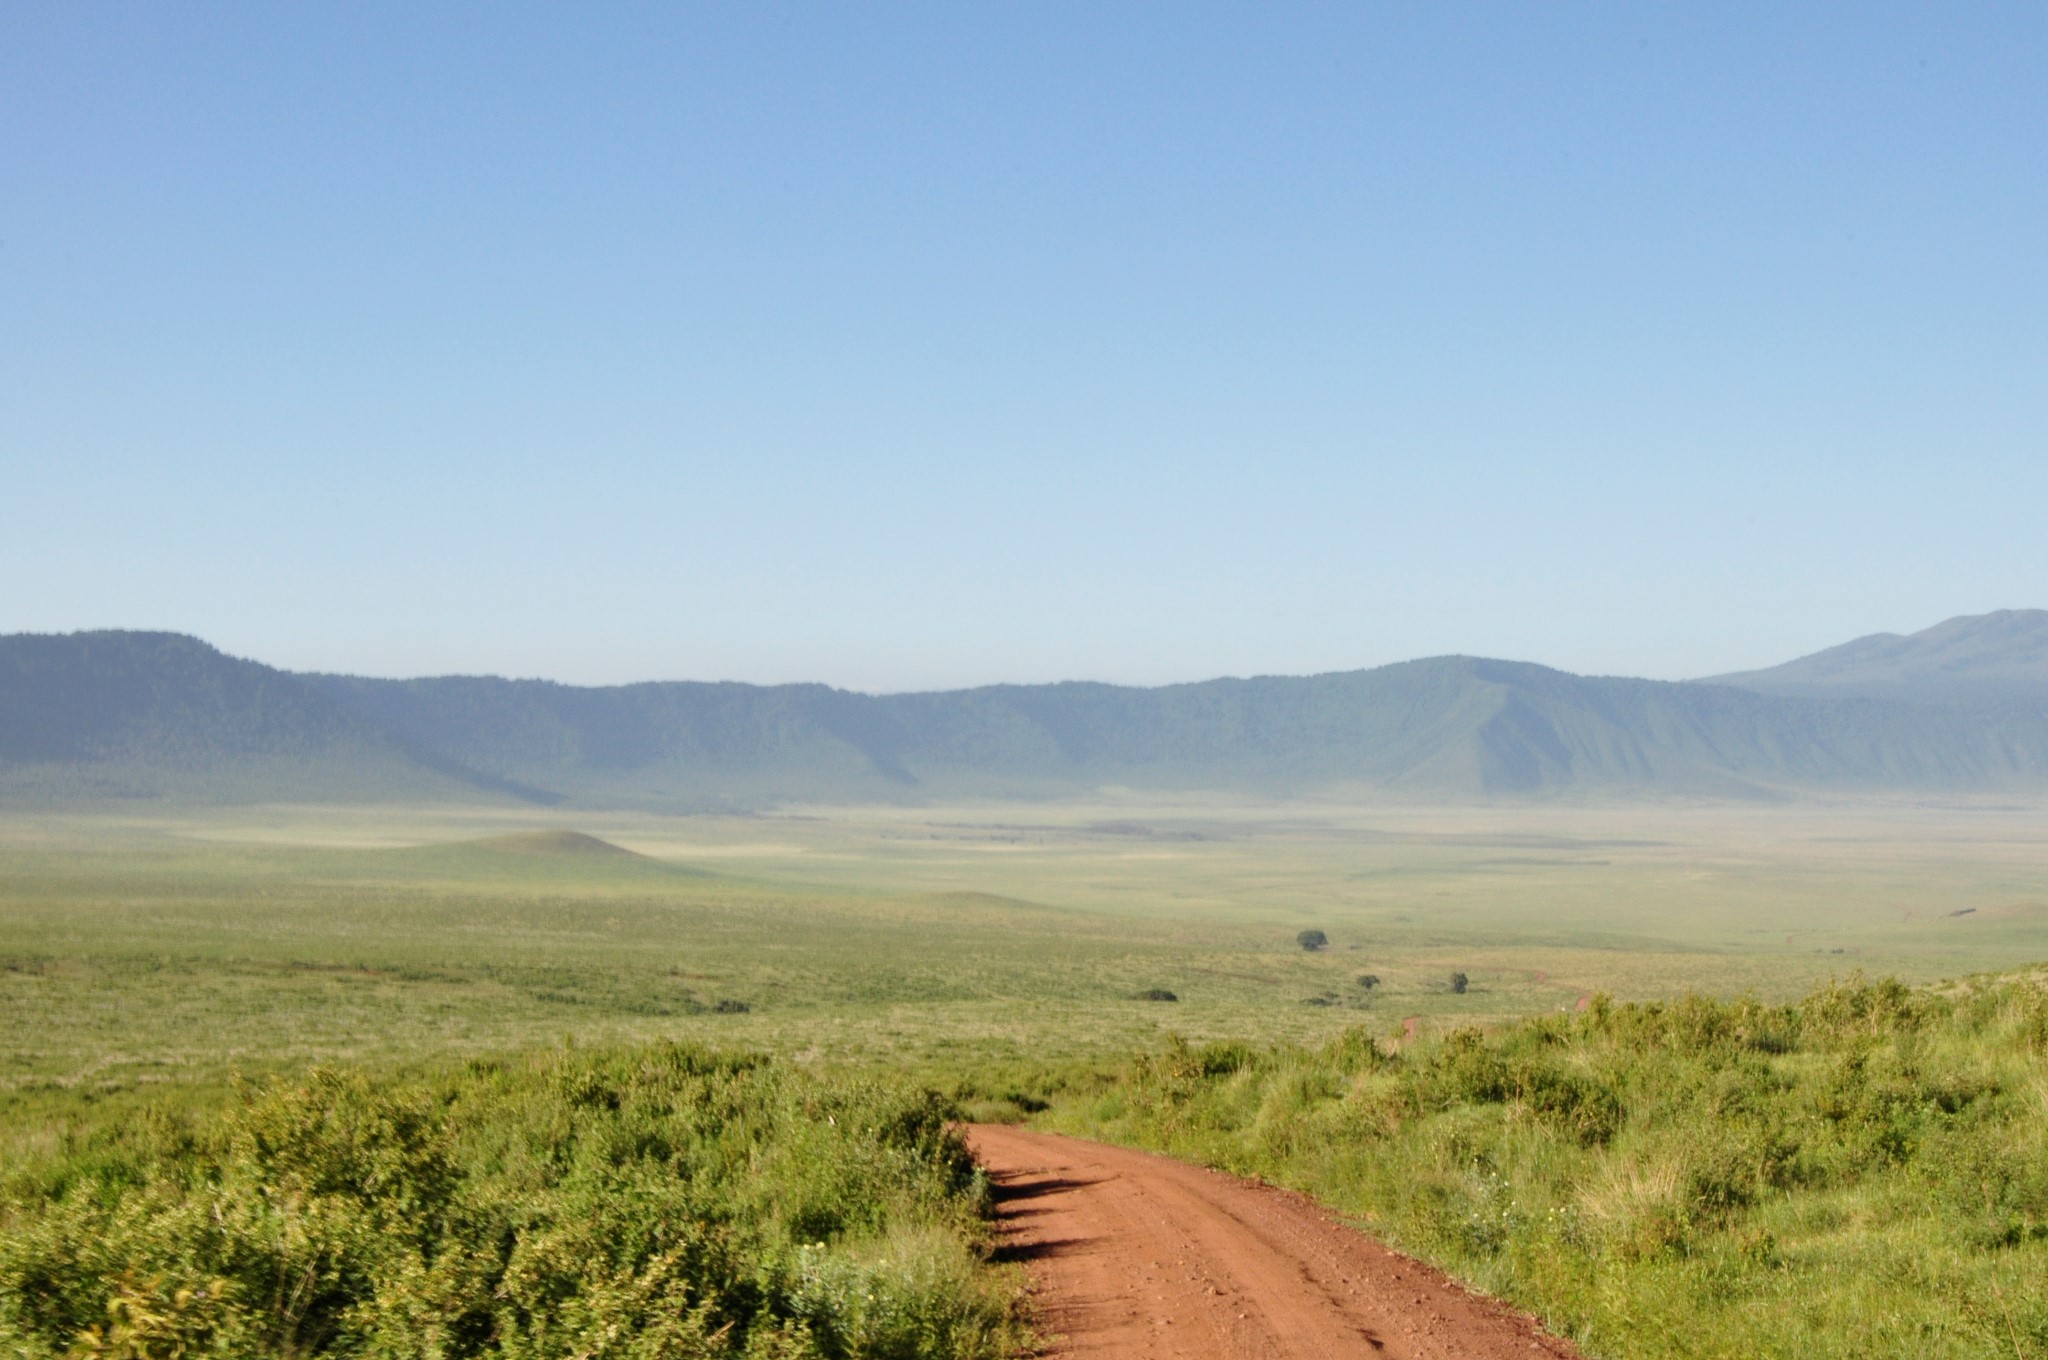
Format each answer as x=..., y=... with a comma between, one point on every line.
x=1133, y=1255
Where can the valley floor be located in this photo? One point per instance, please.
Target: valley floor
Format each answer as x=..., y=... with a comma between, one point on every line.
x=1050, y=961
x=145, y=949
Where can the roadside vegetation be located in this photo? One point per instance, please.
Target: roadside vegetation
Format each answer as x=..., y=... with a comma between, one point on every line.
x=1863, y=1172
x=665, y=1201
x=1859, y=1172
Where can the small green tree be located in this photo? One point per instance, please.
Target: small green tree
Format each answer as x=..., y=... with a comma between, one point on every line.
x=1459, y=982
x=1312, y=940
x=1369, y=980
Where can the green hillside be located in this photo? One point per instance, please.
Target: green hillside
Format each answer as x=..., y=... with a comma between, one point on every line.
x=98, y=716
x=1445, y=727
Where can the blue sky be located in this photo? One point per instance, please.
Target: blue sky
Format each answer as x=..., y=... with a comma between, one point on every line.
x=911, y=346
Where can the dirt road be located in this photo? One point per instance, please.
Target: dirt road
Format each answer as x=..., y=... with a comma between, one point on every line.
x=1133, y=1255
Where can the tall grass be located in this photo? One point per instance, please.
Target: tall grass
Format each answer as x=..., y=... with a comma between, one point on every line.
x=667, y=1201
x=1862, y=1173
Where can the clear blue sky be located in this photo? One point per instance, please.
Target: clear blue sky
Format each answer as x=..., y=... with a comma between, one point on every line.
x=915, y=346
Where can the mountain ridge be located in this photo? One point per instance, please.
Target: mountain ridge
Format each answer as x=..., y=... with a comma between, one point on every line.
x=158, y=715
x=2003, y=654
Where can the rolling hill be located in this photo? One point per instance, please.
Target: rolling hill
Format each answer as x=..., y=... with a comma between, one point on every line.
x=96, y=716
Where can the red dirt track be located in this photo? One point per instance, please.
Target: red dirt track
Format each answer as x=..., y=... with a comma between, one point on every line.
x=1133, y=1255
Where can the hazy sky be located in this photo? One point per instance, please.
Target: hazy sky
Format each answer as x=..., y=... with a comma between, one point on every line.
x=906, y=346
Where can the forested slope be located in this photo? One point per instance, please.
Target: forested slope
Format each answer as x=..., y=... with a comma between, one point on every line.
x=156, y=715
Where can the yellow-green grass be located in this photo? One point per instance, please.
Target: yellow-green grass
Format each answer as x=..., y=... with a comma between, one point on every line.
x=147, y=948
x=1864, y=1173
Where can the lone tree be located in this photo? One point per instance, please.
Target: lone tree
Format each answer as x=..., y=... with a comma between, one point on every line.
x=1459, y=982
x=1369, y=980
x=1312, y=940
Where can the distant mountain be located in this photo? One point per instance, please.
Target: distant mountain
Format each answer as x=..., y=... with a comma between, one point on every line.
x=2003, y=655
x=127, y=715
x=141, y=715
x=1450, y=726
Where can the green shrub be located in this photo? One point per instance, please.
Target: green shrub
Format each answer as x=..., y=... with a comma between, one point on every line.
x=660, y=1202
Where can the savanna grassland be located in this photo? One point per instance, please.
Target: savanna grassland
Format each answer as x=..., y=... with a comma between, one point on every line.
x=156, y=948
x=170, y=983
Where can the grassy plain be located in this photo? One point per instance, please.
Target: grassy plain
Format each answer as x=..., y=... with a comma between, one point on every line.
x=150, y=948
